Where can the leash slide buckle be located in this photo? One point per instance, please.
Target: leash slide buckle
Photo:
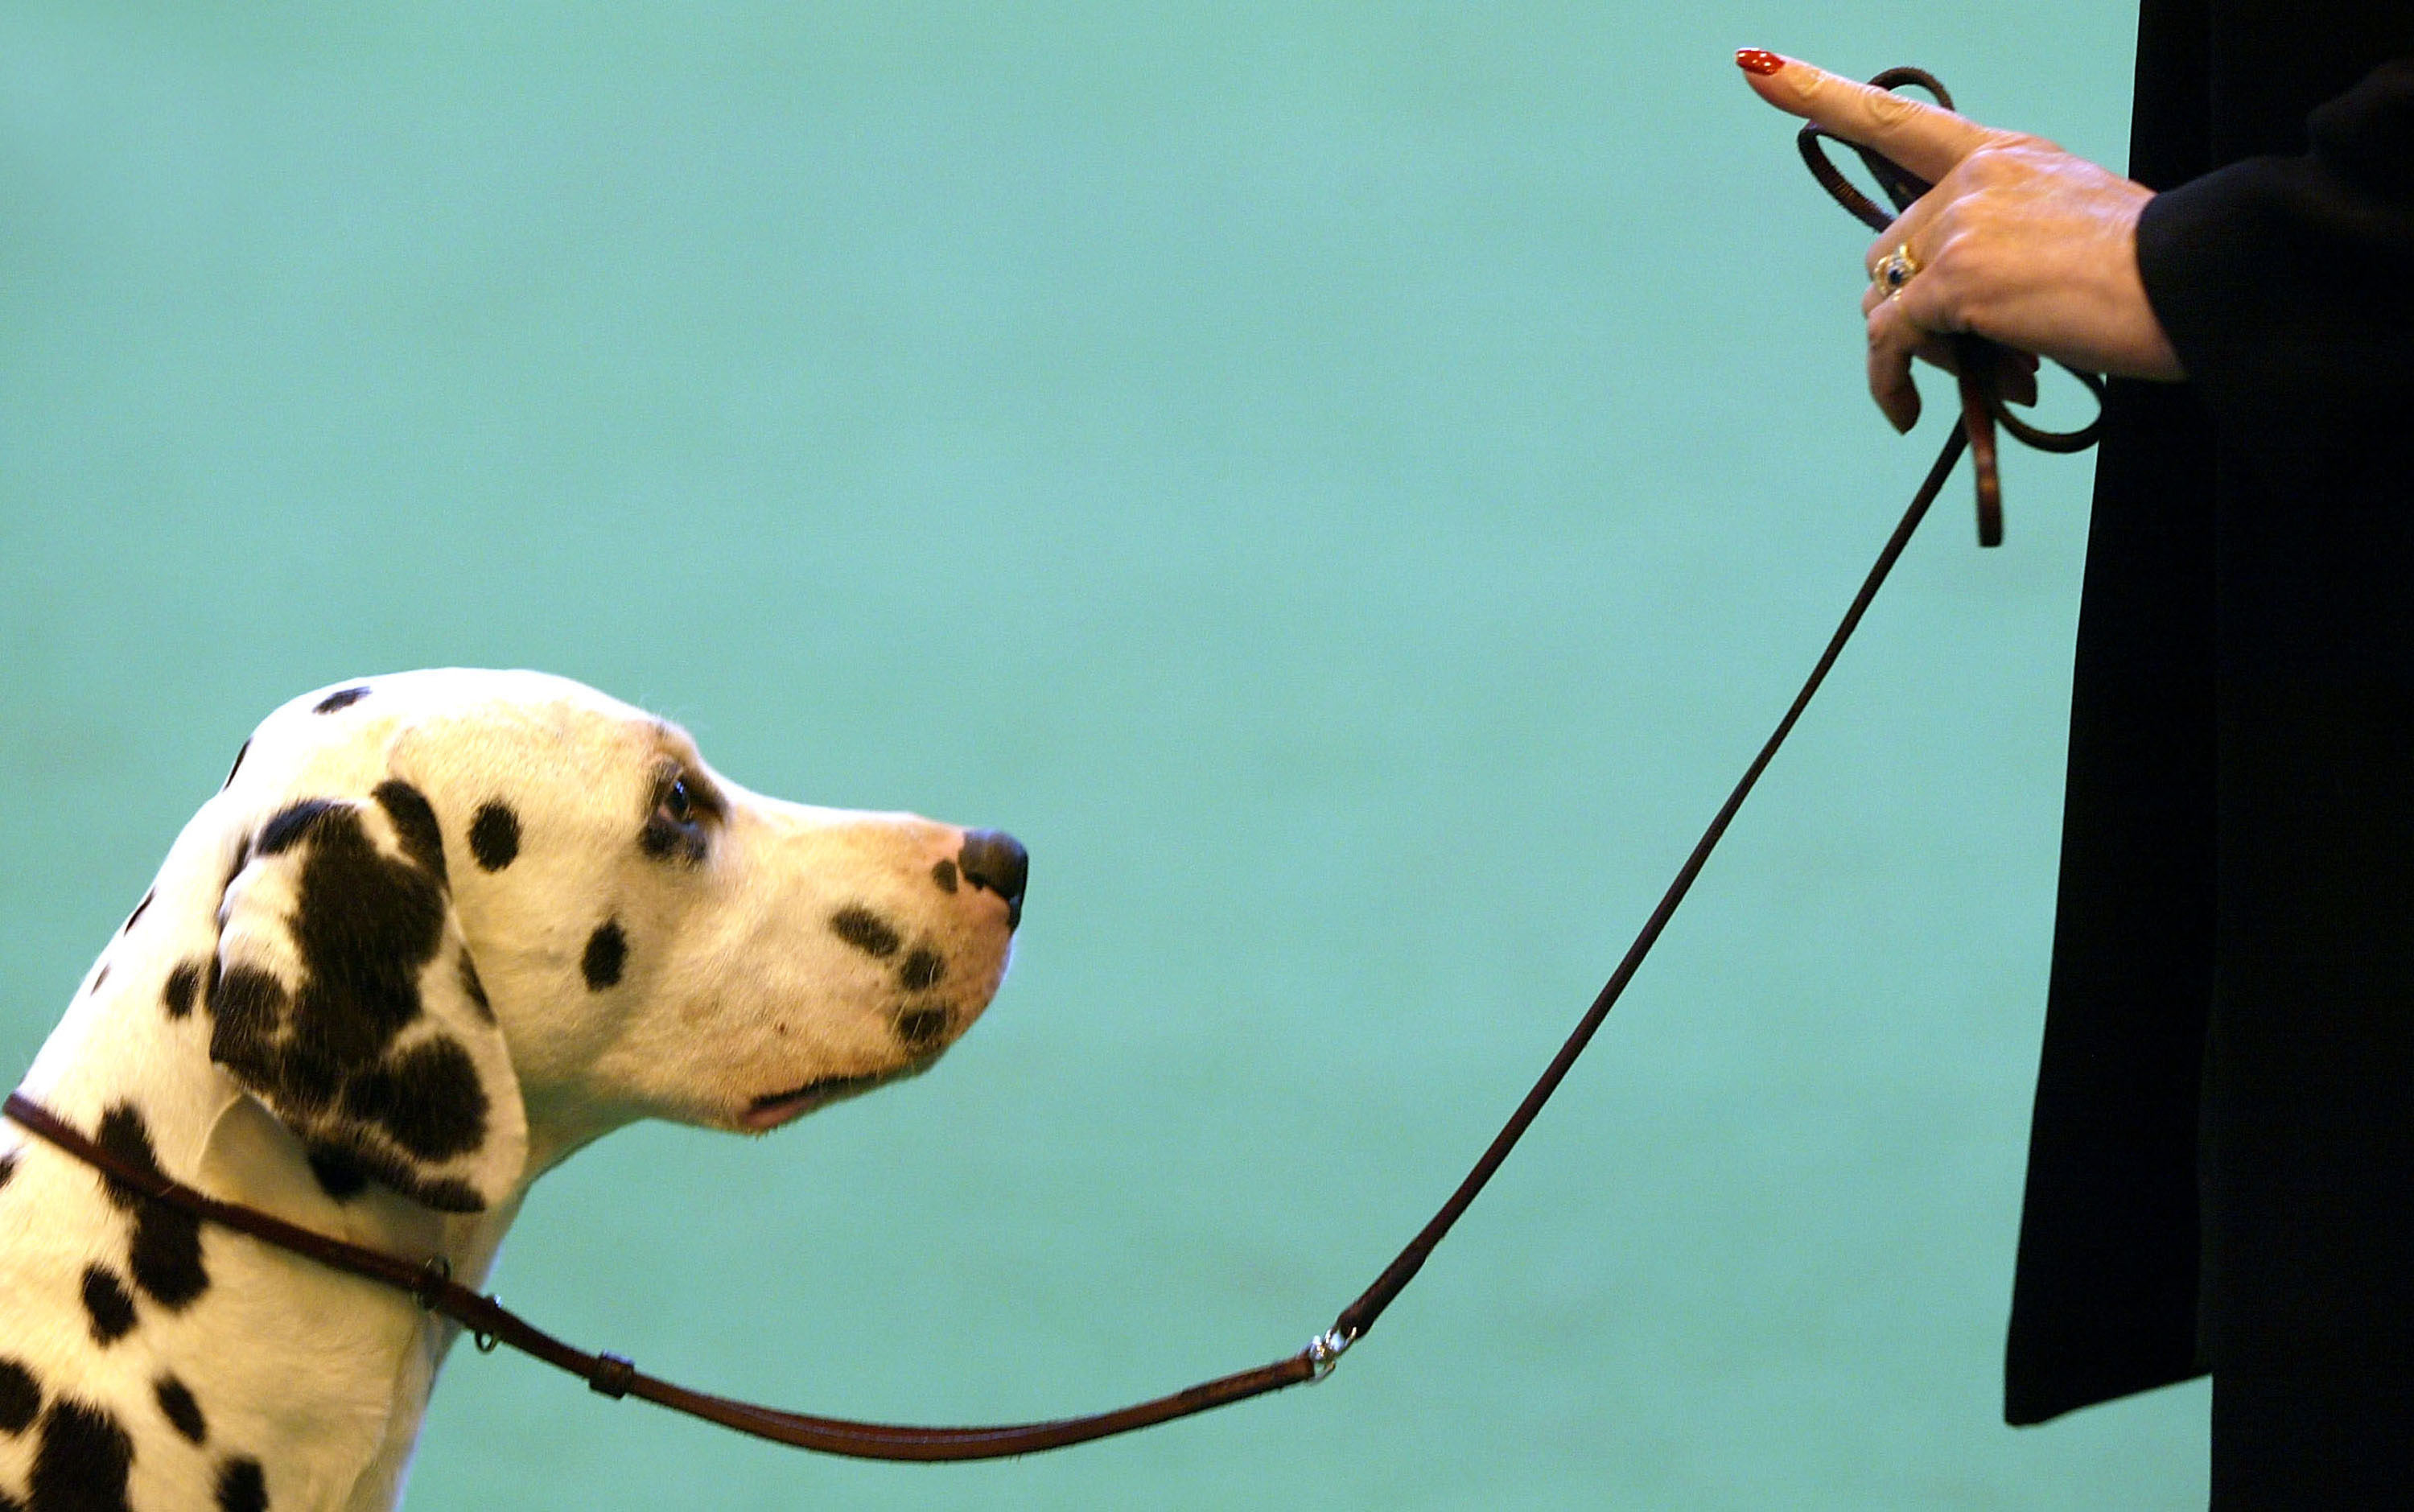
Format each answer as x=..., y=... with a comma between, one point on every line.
x=613, y=1374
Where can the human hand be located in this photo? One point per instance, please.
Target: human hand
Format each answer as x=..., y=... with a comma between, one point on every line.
x=2018, y=241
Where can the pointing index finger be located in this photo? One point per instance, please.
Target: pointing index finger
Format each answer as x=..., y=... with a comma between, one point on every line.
x=1926, y=139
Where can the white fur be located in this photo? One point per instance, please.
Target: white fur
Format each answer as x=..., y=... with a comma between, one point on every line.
x=736, y=990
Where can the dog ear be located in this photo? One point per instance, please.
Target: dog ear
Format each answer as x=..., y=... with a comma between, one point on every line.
x=345, y=997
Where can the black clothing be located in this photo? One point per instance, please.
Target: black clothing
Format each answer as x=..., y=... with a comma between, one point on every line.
x=2221, y=1170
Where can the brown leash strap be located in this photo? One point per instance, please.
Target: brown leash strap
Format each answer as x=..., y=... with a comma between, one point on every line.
x=490, y=1323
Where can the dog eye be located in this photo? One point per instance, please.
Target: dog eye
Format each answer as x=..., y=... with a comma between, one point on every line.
x=677, y=804
x=684, y=805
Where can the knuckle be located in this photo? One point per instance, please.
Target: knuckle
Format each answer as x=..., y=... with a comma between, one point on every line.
x=1942, y=307
x=1975, y=265
x=1971, y=261
x=2008, y=156
x=1887, y=108
x=1892, y=333
x=1990, y=164
x=1954, y=249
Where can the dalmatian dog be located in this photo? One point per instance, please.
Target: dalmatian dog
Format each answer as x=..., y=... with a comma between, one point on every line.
x=439, y=930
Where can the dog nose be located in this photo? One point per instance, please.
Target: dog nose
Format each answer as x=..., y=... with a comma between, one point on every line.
x=994, y=860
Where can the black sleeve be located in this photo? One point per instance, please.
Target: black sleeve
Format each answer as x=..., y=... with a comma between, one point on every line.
x=2287, y=287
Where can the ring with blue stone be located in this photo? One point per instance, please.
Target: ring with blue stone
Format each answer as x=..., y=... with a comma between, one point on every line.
x=1895, y=271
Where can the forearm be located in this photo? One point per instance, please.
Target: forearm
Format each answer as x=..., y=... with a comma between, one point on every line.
x=2286, y=284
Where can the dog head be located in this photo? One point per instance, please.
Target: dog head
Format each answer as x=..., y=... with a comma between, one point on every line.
x=474, y=919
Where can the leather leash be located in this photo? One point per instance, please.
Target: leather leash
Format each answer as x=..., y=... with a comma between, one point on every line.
x=489, y=1323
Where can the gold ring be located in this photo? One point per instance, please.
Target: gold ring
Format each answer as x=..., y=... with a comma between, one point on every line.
x=1895, y=271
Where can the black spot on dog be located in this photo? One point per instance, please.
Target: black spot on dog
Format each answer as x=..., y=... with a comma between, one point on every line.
x=341, y=698
x=607, y=952
x=167, y=1253
x=918, y=1026
x=866, y=931
x=21, y=1396
x=290, y=824
x=184, y=1414
x=8, y=1167
x=445, y=1196
x=167, y=1256
x=250, y=1007
x=363, y=927
x=106, y=1306
x=922, y=969
x=242, y=1487
x=474, y=989
x=183, y=983
x=428, y=1097
x=136, y=914
x=124, y=1134
x=340, y=1175
x=98, y=977
x=343, y=1172
x=945, y=875
x=495, y=836
x=414, y=825
x=83, y=1461
x=240, y=752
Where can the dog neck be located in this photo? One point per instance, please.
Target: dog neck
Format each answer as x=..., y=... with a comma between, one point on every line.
x=260, y=1319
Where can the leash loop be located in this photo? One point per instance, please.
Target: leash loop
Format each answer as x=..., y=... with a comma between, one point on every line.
x=1980, y=367
x=1900, y=184
x=431, y=1284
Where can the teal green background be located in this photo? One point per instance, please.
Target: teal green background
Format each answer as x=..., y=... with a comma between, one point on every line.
x=1348, y=485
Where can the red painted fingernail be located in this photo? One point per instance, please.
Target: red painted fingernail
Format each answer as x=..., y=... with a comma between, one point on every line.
x=1755, y=60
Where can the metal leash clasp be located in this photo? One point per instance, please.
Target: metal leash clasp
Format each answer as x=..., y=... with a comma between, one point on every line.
x=1324, y=1353
x=434, y=1277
